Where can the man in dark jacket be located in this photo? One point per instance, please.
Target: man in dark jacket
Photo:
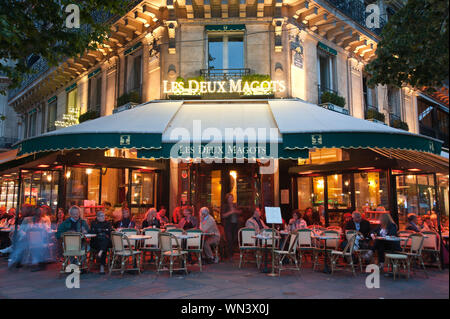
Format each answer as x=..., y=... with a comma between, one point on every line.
x=413, y=223
x=73, y=223
x=358, y=223
x=102, y=229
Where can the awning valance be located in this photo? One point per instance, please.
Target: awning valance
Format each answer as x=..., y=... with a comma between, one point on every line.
x=295, y=126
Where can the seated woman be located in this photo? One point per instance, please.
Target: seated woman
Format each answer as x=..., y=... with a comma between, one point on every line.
x=189, y=221
x=387, y=228
x=126, y=221
x=162, y=216
x=413, y=223
x=296, y=222
x=151, y=219
x=102, y=241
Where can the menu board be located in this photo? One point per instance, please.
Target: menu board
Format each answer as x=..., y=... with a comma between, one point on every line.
x=273, y=215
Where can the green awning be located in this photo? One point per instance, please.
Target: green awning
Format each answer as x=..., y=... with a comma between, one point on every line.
x=225, y=27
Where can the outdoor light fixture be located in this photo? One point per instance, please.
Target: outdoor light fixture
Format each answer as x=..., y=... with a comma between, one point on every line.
x=43, y=165
x=68, y=174
x=88, y=171
x=49, y=178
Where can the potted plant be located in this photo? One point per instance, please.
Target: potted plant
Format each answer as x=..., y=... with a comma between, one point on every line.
x=89, y=115
x=334, y=102
x=375, y=116
x=129, y=100
x=400, y=125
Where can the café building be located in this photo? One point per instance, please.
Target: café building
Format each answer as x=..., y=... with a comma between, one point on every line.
x=189, y=100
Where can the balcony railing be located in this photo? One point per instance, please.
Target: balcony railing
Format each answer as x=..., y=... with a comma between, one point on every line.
x=223, y=74
x=356, y=10
x=323, y=89
x=7, y=142
x=394, y=117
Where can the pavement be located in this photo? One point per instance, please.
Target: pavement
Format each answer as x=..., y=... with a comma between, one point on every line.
x=220, y=281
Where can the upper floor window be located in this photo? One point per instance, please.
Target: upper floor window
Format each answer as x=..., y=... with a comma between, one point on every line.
x=225, y=51
x=51, y=115
x=32, y=119
x=95, y=92
x=72, y=100
x=370, y=95
x=393, y=99
x=133, y=64
x=433, y=120
x=326, y=71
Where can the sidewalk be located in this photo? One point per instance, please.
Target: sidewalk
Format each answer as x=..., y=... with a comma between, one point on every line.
x=221, y=281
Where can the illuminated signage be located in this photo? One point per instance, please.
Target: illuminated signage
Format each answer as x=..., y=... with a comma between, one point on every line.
x=194, y=87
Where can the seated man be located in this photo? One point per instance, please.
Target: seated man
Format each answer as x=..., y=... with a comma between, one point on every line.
x=189, y=221
x=360, y=224
x=413, y=223
x=73, y=223
x=208, y=225
x=256, y=222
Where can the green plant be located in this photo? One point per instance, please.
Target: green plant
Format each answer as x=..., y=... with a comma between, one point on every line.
x=400, y=125
x=374, y=114
x=331, y=97
x=132, y=96
x=89, y=115
x=2, y=117
x=255, y=77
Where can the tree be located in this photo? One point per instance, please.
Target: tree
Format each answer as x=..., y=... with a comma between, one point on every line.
x=52, y=30
x=414, y=46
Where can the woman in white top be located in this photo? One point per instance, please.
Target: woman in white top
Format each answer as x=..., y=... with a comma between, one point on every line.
x=296, y=222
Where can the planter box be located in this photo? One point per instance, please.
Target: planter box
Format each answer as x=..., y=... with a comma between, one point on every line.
x=335, y=108
x=125, y=107
x=376, y=121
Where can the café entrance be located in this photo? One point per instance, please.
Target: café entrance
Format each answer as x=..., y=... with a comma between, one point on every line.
x=205, y=184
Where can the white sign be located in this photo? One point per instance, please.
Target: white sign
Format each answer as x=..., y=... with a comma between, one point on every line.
x=194, y=87
x=273, y=215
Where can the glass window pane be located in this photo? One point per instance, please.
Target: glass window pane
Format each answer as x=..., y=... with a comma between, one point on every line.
x=236, y=52
x=215, y=53
x=407, y=198
x=371, y=190
x=339, y=191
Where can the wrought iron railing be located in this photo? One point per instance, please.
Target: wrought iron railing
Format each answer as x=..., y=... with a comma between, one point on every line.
x=223, y=74
x=323, y=89
x=7, y=142
x=394, y=117
x=356, y=10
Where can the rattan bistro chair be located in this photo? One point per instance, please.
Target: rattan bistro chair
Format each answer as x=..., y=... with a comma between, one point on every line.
x=73, y=250
x=328, y=246
x=305, y=243
x=175, y=231
x=359, y=252
x=123, y=252
x=290, y=253
x=151, y=245
x=248, y=244
x=171, y=252
x=431, y=246
x=195, y=244
x=129, y=231
x=346, y=253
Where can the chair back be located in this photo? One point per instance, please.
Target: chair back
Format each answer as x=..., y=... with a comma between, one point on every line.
x=129, y=231
x=417, y=240
x=293, y=243
x=349, y=248
x=337, y=228
x=334, y=241
x=304, y=238
x=432, y=240
x=154, y=233
x=72, y=241
x=117, y=241
x=166, y=241
x=174, y=231
x=349, y=233
x=170, y=226
x=245, y=237
x=194, y=242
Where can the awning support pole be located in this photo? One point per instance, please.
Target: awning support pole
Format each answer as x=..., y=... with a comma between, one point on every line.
x=19, y=195
x=438, y=211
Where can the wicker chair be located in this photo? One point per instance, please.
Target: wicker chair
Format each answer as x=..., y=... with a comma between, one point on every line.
x=175, y=231
x=129, y=231
x=123, y=251
x=359, y=252
x=431, y=245
x=248, y=244
x=73, y=250
x=346, y=253
x=195, y=244
x=168, y=250
x=290, y=253
x=329, y=245
x=337, y=228
x=151, y=245
x=305, y=243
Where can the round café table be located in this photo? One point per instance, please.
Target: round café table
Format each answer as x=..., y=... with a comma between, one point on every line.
x=265, y=238
x=324, y=238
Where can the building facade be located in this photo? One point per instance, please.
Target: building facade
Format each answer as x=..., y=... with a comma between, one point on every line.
x=221, y=57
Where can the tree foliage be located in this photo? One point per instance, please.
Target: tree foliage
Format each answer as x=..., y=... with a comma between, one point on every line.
x=38, y=27
x=414, y=46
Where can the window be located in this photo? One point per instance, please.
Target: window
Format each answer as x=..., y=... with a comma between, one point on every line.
x=326, y=64
x=393, y=95
x=71, y=100
x=433, y=120
x=32, y=125
x=370, y=96
x=225, y=51
x=371, y=190
x=95, y=93
x=51, y=115
x=134, y=72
